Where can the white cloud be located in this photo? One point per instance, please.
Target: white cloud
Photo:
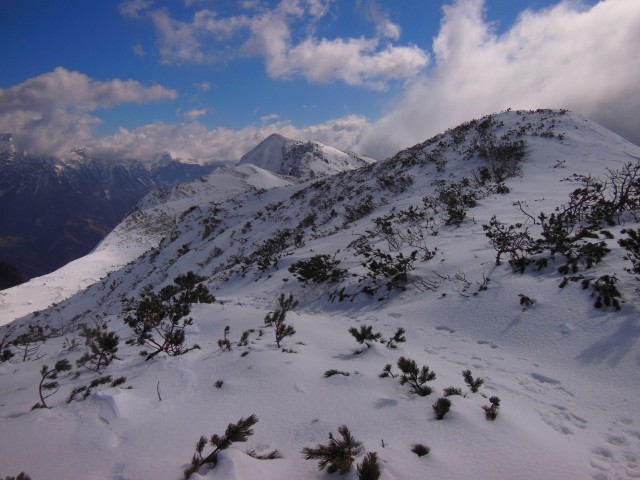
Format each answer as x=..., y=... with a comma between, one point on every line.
x=384, y=26
x=569, y=56
x=194, y=114
x=356, y=61
x=270, y=117
x=195, y=142
x=134, y=8
x=138, y=50
x=50, y=113
x=203, y=86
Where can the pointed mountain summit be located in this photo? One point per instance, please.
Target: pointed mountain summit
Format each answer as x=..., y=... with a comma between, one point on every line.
x=282, y=155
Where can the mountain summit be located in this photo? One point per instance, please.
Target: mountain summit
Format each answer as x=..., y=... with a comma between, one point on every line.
x=473, y=298
x=304, y=160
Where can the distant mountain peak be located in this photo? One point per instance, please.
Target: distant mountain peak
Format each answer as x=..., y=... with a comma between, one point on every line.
x=7, y=146
x=304, y=160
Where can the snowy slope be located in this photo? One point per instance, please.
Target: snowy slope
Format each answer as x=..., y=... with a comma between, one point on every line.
x=153, y=219
x=566, y=372
x=303, y=160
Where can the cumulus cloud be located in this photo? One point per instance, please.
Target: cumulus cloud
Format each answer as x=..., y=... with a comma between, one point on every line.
x=359, y=61
x=52, y=112
x=567, y=56
x=194, y=114
x=134, y=8
x=194, y=142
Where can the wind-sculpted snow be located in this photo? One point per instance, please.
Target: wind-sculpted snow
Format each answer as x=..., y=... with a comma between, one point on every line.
x=398, y=244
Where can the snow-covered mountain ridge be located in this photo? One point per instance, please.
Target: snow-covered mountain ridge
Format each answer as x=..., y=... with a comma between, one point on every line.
x=403, y=242
x=53, y=211
x=304, y=160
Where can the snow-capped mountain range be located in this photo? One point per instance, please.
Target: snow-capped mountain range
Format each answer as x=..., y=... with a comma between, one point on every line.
x=53, y=211
x=501, y=247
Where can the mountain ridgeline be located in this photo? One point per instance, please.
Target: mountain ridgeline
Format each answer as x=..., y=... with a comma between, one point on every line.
x=497, y=262
x=54, y=211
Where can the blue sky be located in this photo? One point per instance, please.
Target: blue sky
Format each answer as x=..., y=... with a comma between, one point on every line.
x=207, y=79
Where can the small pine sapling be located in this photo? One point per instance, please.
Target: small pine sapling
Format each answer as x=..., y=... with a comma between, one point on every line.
x=491, y=411
x=5, y=352
x=369, y=469
x=416, y=378
x=225, y=343
x=450, y=391
x=525, y=301
x=87, y=390
x=386, y=372
x=474, y=383
x=441, y=407
x=333, y=371
x=29, y=342
x=278, y=317
x=398, y=337
x=103, y=346
x=235, y=432
x=420, y=449
x=337, y=455
x=244, y=338
x=365, y=335
x=49, y=380
x=632, y=245
x=605, y=290
x=20, y=476
x=272, y=455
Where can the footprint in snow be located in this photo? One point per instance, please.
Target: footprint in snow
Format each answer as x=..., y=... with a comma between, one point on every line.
x=486, y=342
x=446, y=329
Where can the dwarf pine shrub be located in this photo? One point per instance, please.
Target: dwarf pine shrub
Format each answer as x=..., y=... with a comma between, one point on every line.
x=102, y=347
x=398, y=337
x=369, y=469
x=28, y=343
x=450, y=391
x=365, y=335
x=632, y=245
x=441, y=407
x=420, y=449
x=473, y=383
x=235, y=432
x=85, y=390
x=159, y=320
x=48, y=381
x=277, y=318
x=318, y=269
x=20, y=476
x=336, y=456
x=491, y=411
x=416, y=378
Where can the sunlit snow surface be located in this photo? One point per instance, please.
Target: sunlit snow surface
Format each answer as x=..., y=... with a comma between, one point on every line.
x=567, y=374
